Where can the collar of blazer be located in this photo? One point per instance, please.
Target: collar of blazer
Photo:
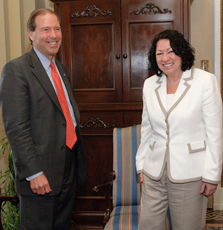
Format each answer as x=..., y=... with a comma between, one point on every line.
x=40, y=73
x=183, y=87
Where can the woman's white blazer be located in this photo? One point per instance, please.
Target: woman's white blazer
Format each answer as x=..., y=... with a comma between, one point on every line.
x=188, y=136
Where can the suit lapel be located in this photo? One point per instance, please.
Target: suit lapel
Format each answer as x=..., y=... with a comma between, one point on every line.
x=65, y=79
x=67, y=84
x=41, y=75
x=182, y=89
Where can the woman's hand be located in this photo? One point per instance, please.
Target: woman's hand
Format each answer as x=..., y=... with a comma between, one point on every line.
x=141, y=178
x=208, y=189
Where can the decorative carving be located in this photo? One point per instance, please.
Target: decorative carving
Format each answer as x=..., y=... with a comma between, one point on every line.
x=150, y=8
x=92, y=11
x=96, y=123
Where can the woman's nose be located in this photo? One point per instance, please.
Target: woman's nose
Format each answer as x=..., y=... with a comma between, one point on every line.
x=165, y=56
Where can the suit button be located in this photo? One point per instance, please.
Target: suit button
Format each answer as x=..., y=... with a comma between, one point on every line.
x=64, y=125
x=63, y=148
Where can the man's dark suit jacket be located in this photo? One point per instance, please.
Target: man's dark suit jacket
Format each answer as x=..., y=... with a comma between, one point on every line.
x=34, y=123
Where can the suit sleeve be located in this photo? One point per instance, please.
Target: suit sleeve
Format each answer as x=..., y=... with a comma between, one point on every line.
x=14, y=101
x=212, y=115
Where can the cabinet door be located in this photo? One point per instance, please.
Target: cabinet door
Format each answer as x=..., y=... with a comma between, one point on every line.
x=91, y=49
x=141, y=20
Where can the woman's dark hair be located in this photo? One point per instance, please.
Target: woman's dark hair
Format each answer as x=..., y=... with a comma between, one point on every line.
x=180, y=46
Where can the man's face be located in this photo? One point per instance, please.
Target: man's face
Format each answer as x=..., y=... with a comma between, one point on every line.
x=47, y=36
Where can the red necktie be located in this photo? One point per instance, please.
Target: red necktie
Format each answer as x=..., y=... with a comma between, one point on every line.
x=71, y=136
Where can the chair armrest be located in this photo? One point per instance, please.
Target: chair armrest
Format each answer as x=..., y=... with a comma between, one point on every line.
x=109, y=177
x=12, y=198
x=107, y=187
x=102, y=186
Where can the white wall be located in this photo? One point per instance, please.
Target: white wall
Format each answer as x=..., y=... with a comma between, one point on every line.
x=202, y=31
x=44, y=4
x=205, y=37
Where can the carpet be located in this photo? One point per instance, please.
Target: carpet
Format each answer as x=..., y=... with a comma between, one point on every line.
x=214, y=220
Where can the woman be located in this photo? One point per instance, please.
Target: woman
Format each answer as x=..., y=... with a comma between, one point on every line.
x=180, y=155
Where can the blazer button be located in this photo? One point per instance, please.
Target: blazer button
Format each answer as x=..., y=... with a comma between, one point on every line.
x=64, y=125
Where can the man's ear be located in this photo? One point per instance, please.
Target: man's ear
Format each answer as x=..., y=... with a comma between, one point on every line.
x=30, y=34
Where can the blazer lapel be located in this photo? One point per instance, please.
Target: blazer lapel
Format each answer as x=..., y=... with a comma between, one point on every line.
x=182, y=89
x=161, y=93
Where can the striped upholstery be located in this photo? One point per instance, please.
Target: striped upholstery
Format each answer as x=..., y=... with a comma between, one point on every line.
x=126, y=190
x=126, y=187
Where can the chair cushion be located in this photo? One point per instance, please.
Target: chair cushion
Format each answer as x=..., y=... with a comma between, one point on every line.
x=124, y=218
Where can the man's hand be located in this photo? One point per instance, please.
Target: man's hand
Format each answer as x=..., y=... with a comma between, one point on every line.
x=208, y=189
x=40, y=185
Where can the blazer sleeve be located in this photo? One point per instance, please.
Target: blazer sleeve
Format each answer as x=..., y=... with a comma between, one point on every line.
x=146, y=132
x=212, y=116
x=14, y=101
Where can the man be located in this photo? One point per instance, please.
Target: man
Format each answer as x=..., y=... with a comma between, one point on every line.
x=41, y=121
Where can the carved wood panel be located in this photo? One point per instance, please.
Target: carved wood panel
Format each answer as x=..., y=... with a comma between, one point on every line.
x=95, y=42
x=141, y=20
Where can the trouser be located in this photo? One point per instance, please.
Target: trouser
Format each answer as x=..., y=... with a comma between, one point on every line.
x=51, y=212
x=187, y=206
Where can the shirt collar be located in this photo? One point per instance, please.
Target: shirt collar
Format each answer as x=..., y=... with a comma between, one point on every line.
x=43, y=59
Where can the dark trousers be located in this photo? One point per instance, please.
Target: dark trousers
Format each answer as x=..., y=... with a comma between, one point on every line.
x=51, y=212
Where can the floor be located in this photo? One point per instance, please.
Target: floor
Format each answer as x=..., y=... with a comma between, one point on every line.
x=214, y=220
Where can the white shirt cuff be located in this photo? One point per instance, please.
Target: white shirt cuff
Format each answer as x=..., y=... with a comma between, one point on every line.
x=33, y=176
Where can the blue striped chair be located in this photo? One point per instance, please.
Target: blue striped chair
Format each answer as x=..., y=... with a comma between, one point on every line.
x=126, y=187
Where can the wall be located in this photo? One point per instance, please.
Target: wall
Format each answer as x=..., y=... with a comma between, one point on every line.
x=202, y=31
x=205, y=38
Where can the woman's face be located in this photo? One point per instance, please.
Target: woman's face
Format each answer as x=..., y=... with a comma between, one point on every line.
x=167, y=60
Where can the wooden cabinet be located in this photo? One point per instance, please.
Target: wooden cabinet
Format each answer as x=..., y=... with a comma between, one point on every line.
x=105, y=46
